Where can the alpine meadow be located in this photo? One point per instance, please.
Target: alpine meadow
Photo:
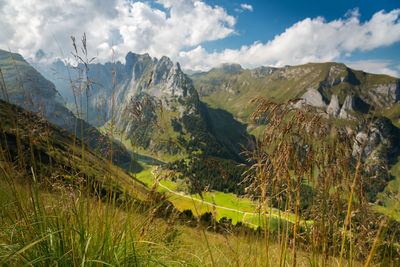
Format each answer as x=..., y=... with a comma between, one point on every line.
x=199, y=133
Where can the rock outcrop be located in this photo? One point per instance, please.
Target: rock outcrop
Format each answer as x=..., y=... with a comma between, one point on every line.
x=149, y=76
x=347, y=108
x=385, y=94
x=333, y=108
x=313, y=98
x=382, y=138
x=262, y=72
x=337, y=74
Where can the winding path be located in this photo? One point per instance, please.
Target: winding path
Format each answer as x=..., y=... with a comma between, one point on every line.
x=220, y=207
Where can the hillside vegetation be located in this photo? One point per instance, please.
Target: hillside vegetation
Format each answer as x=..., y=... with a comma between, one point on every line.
x=310, y=177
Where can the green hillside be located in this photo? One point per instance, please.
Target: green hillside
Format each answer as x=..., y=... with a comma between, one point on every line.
x=232, y=90
x=57, y=156
x=23, y=85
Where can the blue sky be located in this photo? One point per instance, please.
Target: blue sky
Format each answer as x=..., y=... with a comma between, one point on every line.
x=202, y=34
x=270, y=18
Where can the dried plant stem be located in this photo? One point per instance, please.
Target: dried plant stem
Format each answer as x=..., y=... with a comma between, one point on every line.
x=204, y=234
x=350, y=201
x=381, y=229
x=296, y=221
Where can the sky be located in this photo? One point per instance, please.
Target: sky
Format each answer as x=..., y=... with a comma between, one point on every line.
x=200, y=35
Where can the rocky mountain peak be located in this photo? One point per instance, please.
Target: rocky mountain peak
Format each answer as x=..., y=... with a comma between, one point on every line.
x=162, y=70
x=135, y=64
x=337, y=73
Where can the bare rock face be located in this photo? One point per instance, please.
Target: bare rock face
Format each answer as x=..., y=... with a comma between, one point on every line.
x=386, y=94
x=373, y=139
x=333, y=107
x=313, y=98
x=336, y=75
x=161, y=78
x=348, y=106
x=262, y=72
x=380, y=138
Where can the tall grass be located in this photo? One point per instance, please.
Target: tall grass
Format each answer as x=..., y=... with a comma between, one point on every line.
x=66, y=228
x=298, y=149
x=82, y=221
x=75, y=212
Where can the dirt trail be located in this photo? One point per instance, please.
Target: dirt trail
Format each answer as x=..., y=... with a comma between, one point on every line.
x=220, y=207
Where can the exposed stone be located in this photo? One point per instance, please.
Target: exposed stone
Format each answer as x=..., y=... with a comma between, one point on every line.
x=386, y=94
x=160, y=78
x=333, y=107
x=380, y=135
x=313, y=98
x=161, y=70
x=262, y=72
x=347, y=108
x=337, y=74
x=177, y=82
x=372, y=141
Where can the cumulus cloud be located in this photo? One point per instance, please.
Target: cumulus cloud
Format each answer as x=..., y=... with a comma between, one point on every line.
x=35, y=25
x=374, y=66
x=244, y=7
x=40, y=30
x=247, y=6
x=309, y=40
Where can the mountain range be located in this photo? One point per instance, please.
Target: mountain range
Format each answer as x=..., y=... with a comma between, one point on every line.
x=158, y=108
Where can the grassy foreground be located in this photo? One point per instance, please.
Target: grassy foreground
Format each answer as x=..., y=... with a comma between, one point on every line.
x=66, y=228
x=62, y=203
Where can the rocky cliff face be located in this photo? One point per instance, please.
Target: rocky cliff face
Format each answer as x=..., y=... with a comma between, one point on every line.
x=347, y=108
x=139, y=75
x=151, y=83
x=313, y=98
x=144, y=75
x=385, y=94
x=333, y=108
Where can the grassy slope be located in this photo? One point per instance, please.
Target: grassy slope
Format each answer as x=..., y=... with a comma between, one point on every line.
x=246, y=209
x=281, y=85
x=287, y=83
x=32, y=79
x=104, y=225
x=109, y=233
x=58, y=146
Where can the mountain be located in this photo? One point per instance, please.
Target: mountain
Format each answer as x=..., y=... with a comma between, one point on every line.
x=56, y=156
x=23, y=85
x=224, y=89
x=159, y=108
x=160, y=91
x=346, y=97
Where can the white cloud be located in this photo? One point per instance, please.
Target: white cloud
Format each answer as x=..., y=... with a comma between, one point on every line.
x=374, y=66
x=179, y=29
x=247, y=6
x=309, y=40
x=30, y=25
